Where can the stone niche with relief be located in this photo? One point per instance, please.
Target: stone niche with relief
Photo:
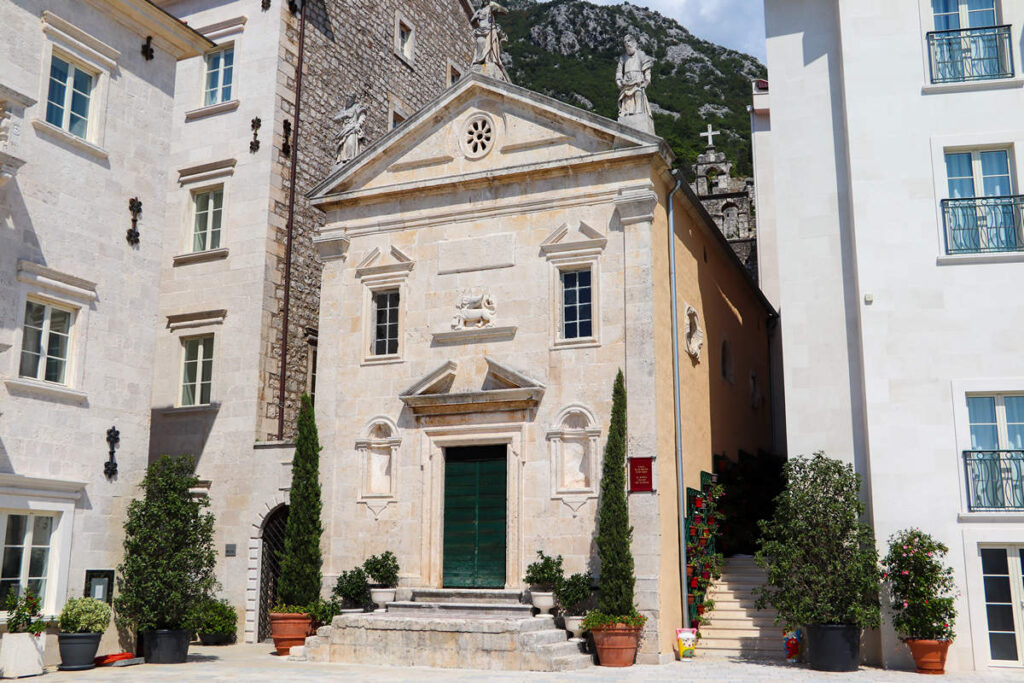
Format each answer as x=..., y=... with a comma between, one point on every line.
x=378, y=457
x=572, y=449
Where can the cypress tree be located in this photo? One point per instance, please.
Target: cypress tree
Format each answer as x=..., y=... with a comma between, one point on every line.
x=613, y=530
x=299, y=584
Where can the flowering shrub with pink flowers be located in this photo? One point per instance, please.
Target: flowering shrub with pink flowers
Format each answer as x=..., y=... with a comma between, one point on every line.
x=921, y=586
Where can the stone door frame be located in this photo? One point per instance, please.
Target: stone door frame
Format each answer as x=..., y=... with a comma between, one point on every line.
x=433, y=442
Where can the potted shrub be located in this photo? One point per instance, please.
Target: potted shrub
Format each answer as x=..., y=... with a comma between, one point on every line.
x=168, y=564
x=21, y=648
x=352, y=590
x=572, y=594
x=922, y=591
x=821, y=561
x=615, y=624
x=216, y=622
x=80, y=626
x=543, y=576
x=299, y=584
x=383, y=569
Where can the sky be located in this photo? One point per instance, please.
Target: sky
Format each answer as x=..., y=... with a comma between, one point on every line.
x=736, y=24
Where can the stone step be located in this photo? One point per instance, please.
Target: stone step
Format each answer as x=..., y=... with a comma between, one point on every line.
x=769, y=646
x=730, y=593
x=563, y=649
x=467, y=595
x=735, y=612
x=572, y=662
x=544, y=637
x=719, y=632
x=495, y=610
x=730, y=620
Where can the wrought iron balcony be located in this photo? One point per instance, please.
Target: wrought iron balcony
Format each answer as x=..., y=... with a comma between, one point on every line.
x=983, y=225
x=970, y=54
x=995, y=480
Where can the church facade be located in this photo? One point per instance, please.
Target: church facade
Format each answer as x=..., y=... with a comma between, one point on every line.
x=488, y=269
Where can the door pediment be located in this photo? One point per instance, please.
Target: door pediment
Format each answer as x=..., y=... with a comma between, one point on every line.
x=501, y=389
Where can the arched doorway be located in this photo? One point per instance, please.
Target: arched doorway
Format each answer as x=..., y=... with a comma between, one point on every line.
x=270, y=567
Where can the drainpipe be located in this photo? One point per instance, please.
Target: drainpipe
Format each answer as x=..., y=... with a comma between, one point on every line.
x=291, y=225
x=680, y=490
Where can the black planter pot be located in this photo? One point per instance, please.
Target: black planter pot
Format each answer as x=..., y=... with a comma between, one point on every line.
x=833, y=647
x=165, y=646
x=77, y=650
x=216, y=638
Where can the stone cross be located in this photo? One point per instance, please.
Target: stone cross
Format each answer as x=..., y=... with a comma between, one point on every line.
x=710, y=135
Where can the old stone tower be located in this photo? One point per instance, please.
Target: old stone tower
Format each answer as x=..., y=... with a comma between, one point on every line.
x=257, y=120
x=729, y=200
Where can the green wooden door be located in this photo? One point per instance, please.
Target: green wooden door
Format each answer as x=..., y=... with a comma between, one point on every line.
x=474, y=517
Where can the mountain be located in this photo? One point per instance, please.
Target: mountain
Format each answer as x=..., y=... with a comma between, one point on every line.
x=568, y=49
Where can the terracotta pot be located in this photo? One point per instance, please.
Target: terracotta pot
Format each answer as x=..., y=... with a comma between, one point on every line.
x=288, y=630
x=616, y=645
x=691, y=598
x=689, y=571
x=929, y=655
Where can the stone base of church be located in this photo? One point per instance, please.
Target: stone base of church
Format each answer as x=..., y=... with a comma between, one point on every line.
x=641, y=122
x=465, y=642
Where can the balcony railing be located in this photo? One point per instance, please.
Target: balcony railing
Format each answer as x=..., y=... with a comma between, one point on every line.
x=995, y=480
x=971, y=54
x=983, y=225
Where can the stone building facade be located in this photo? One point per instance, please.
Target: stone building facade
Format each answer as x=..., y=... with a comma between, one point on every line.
x=391, y=56
x=452, y=333
x=729, y=201
x=84, y=117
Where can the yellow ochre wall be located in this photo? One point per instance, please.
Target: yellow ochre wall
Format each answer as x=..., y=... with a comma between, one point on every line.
x=717, y=415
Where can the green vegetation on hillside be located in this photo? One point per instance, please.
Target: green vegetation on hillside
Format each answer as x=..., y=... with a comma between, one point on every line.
x=568, y=49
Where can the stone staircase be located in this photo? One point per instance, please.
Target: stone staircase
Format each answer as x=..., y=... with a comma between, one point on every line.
x=737, y=629
x=447, y=628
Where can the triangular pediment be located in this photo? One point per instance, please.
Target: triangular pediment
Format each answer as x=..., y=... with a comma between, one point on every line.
x=445, y=390
x=378, y=263
x=481, y=126
x=573, y=238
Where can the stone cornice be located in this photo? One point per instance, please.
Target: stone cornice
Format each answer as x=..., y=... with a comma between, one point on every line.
x=463, y=181
x=54, y=280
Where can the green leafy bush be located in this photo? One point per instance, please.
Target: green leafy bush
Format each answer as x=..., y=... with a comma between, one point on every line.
x=323, y=611
x=617, y=582
x=572, y=593
x=84, y=615
x=921, y=586
x=169, y=558
x=821, y=559
x=596, y=619
x=545, y=573
x=23, y=613
x=301, y=562
x=216, y=617
x=383, y=569
x=353, y=589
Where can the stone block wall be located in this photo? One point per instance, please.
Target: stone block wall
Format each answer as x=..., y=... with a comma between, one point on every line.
x=349, y=50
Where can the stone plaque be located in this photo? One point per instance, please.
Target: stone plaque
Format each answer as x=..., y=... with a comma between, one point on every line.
x=476, y=253
x=641, y=474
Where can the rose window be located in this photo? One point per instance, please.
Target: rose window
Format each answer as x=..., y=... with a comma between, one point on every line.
x=477, y=136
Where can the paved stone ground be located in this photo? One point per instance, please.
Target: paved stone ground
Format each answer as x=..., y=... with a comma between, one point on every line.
x=255, y=663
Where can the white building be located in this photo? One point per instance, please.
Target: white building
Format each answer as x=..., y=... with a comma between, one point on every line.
x=888, y=158
x=86, y=90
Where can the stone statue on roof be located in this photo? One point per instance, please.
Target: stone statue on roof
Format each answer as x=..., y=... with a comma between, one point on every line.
x=487, y=39
x=633, y=75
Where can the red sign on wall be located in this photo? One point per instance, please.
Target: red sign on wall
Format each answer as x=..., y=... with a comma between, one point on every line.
x=641, y=474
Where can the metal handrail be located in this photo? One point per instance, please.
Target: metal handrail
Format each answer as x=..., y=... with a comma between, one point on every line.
x=970, y=54
x=995, y=480
x=984, y=225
